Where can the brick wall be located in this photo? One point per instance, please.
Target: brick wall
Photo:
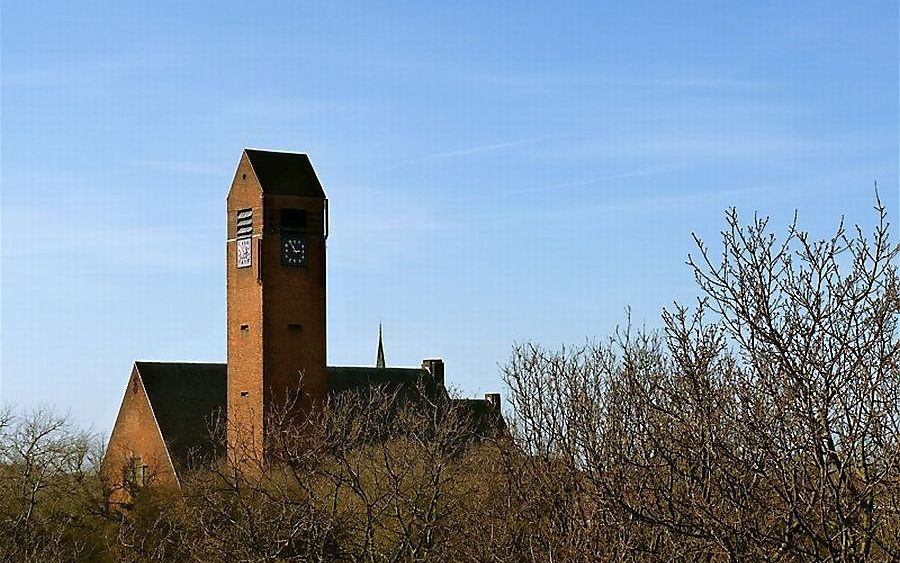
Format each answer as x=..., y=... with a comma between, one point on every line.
x=136, y=435
x=275, y=314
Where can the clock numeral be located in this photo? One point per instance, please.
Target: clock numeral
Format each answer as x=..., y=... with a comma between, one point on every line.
x=293, y=251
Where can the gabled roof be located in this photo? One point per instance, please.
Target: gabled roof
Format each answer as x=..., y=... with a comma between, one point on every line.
x=341, y=378
x=285, y=173
x=481, y=416
x=185, y=398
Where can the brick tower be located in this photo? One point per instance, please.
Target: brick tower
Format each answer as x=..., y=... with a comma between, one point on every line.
x=277, y=225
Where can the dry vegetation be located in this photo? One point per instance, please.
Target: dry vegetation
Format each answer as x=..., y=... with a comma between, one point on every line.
x=763, y=424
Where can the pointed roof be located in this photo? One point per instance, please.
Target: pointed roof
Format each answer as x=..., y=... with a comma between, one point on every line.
x=379, y=360
x=285, y=173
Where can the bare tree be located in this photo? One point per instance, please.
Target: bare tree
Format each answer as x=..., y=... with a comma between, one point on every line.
x=48, y=487
x=815, y=324
x=763, y=425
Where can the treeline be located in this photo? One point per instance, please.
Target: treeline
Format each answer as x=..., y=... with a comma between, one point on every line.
x=762, y=424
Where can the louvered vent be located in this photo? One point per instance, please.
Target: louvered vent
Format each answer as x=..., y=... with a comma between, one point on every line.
x=244, y=223
x=243, y=235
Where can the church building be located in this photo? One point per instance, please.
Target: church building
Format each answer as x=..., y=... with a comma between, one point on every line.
x=277, y=227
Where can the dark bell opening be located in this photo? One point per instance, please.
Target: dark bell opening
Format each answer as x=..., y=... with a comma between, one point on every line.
x=293, y=220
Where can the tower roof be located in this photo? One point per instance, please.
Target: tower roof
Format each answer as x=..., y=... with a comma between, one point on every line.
x=285, y=173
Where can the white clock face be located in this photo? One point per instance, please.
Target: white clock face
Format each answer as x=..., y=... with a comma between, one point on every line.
x=244, y=253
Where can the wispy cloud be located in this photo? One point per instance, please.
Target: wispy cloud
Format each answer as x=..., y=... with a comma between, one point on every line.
x=283, y=108
x=177, y=167
x=79, y=237
x=620, y=204
x=525, y=83
x=70, y=74
x=586, y=182
x=467, y=151
x=477, y=149
x=369, y=224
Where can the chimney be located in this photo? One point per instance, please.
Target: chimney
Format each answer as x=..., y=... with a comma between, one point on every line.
x=435, y=367
x=493, y=399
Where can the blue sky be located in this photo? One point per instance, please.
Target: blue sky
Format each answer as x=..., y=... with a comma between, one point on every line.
x=496, y=171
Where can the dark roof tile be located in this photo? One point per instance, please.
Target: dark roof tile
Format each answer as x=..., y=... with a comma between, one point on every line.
x=341, y=378
x=185, y=398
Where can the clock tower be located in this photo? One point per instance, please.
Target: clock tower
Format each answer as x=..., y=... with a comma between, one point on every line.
x=277, y=226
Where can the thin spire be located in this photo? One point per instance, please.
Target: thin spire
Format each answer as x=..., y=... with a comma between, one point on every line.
x=379, y=361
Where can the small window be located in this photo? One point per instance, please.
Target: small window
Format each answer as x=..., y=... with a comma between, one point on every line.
x=245, y=393
x=136, y=473
x=245, y=328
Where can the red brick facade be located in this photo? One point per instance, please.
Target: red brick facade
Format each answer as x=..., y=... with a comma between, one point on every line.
x=136, y=450
x=276, y=313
